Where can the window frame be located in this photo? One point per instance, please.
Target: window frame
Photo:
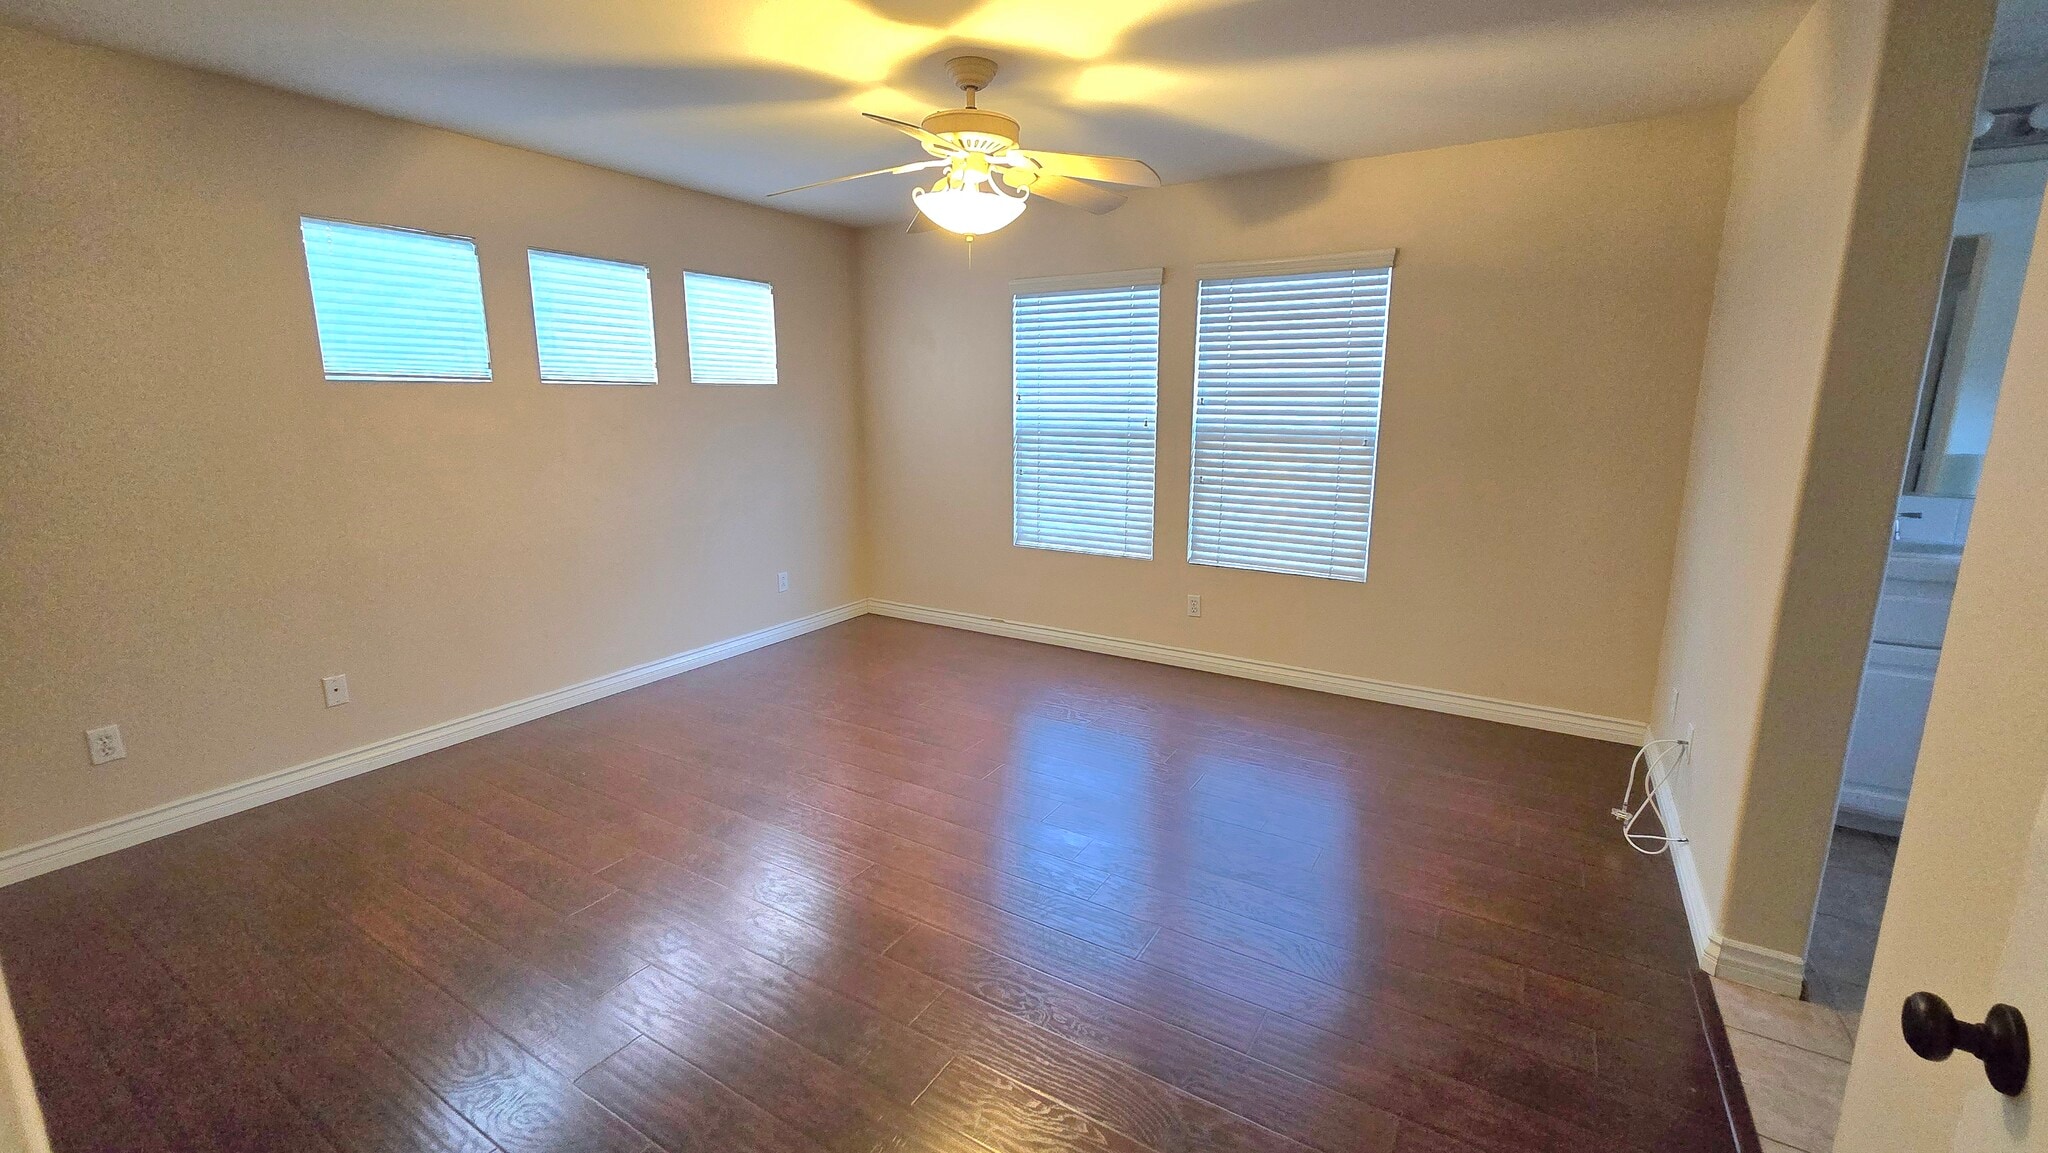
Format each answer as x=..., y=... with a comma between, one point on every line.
x=320, y=338
x=1128, y=279
x=774, y=332
x=1356, y=263
x=539, y=345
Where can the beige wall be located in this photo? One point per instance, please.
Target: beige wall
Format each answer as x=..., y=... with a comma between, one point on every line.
x=197, y=527
x=1548, y=312
x=1847, y=160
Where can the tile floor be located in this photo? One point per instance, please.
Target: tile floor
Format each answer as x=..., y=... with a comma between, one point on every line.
x=1852, y=893
x=1794, y=1055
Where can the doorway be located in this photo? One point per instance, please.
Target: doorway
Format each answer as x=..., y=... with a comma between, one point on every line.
x=1993, y=239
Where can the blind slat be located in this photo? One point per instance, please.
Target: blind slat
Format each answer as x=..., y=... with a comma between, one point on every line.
x=394, y=304
x=1287, y=406
x=732, y=329
x=1086, y=369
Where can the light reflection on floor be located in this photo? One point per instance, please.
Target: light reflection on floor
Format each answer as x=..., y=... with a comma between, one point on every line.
x=1266, y=840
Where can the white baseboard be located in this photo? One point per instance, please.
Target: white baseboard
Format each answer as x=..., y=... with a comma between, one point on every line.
x=1387, y=692
x=1755, y=966
x=121, y=832
x=1737, y=961
x=1699, y=915
x=1877, y=804
x=1848, y=818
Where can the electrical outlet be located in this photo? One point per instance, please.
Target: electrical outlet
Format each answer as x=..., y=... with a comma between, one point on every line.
x=336, y=689
x=104, y=744
x=782, y=582
x=1194, y=605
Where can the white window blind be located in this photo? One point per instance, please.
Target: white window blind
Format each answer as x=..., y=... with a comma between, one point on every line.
x=1086, y=368
x=394, y=304
x=732, y=329
x=592, y=319
x=1288, y=363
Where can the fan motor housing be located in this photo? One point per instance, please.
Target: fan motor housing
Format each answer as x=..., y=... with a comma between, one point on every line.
x=968, y=124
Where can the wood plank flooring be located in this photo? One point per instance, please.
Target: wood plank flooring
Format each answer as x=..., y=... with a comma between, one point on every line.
x=889, y=887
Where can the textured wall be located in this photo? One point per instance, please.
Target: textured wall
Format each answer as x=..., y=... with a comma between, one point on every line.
x=1548, y=312
x=198, y=527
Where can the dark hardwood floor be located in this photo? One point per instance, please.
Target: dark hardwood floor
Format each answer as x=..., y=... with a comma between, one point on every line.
x=893, y=887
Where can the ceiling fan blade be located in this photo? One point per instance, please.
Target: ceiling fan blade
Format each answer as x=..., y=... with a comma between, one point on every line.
x=913, y=167
x=919, y=222
x=932, y=142
x=1112, y=169
x=1074, y=192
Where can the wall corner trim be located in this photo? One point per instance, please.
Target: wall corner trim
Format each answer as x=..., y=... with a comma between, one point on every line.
x=1737, y=961
x=1544, y=717
x=109, y=836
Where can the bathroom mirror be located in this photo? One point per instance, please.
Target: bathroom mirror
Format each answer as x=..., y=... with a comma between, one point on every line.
x=1980, y=297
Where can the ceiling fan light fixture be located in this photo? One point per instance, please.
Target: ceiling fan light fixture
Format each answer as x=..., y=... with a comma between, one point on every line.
x=989, y=179
x=969, y=209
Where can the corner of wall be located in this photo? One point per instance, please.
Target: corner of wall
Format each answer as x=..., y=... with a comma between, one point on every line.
x=1917, y=143
x=1739, y=961
x=863, y=417
x=611, y=526
x=1811, y=362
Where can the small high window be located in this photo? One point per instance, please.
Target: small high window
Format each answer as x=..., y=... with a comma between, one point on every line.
x=593, y=320
x=395, y=304
x=732, y=329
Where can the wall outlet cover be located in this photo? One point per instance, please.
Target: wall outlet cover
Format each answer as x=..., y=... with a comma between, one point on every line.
x=1194, y=605
x=336, y=689
x=782, y=582
x=104, y=744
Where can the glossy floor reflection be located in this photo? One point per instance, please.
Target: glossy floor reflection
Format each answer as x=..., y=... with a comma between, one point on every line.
x=893, y=887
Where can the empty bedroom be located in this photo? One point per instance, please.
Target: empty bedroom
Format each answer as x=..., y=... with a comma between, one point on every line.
x=997, y=576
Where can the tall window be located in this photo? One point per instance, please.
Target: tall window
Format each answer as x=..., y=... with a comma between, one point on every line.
x=394, y=304
x=592, y=319
x=1288, y=358
x=732, y=329
x=1085, y=359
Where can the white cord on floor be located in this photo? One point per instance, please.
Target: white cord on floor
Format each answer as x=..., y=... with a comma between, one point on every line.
x=1657, y=769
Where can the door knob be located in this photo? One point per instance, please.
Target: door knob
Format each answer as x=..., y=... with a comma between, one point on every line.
x=2000, y=1042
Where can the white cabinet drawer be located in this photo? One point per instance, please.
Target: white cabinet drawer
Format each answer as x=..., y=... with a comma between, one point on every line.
x=1912, y=607
x=1912, y=613
x=1884, y=741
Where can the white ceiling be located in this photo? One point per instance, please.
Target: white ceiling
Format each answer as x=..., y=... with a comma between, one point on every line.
x=741, y=97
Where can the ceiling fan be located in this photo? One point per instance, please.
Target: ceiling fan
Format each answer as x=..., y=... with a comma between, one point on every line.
x=978, y=150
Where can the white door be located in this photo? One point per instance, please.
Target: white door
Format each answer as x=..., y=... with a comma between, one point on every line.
x=1968, y=914
x=1988, y=1121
